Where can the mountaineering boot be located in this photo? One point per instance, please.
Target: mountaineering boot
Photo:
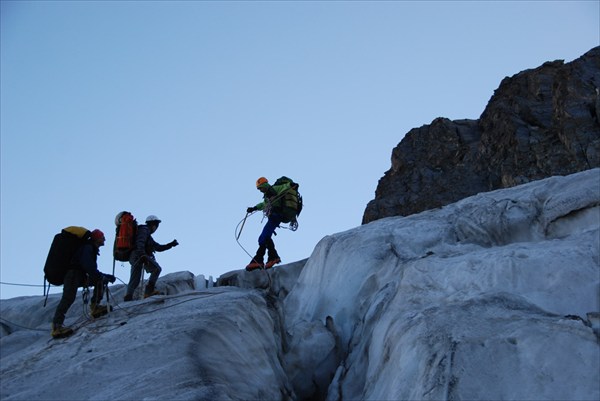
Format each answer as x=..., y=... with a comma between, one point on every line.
x=98, y=310
x=150, y=291
x=257, y=260
x=273, y=258
x=60, y=331
x=255, y=264
x=151, y=294
x=272, y=263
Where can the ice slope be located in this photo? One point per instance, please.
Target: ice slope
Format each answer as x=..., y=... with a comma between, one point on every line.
x=464, y=302
x=488, y=298
x=210, y=344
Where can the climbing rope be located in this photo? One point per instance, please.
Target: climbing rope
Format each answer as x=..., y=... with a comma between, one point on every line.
x=21, y=285
x=98, y=324
x=237, y=239
x=237, y=235
x=8, y=322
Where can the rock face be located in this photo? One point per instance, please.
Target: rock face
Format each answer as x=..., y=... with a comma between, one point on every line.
x=539, y=123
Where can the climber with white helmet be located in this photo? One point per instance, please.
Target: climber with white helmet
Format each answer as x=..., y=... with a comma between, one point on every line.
x=142, y=257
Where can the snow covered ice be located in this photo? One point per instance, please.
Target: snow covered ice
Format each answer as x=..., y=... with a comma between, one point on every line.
x=495, y=297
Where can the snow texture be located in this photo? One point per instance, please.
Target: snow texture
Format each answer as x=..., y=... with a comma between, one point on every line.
x=495, y=297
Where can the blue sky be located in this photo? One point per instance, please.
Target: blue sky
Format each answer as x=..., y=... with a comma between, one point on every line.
x=176, y=108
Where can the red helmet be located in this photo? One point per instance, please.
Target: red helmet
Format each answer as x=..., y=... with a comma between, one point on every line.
x=97, y=235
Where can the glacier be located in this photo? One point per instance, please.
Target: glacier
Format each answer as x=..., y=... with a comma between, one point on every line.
x=495, y=297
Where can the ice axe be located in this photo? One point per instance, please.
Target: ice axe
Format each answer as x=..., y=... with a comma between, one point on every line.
x=242, y=227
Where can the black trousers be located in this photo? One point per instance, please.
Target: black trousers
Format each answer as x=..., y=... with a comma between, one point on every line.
x=73, y=280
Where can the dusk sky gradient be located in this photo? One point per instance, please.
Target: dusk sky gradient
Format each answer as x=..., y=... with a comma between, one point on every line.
x=176, y=108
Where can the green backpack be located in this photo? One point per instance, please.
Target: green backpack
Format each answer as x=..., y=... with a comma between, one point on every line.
x=291, y=200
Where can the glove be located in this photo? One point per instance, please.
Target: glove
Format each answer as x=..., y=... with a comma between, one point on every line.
x=108, y=278
x=173, y=243
x=251, y=209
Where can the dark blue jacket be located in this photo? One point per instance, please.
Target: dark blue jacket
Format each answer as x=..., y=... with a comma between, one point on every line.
x=86, y=259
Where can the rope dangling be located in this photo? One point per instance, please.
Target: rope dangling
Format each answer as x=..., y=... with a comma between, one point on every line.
x=238, y=234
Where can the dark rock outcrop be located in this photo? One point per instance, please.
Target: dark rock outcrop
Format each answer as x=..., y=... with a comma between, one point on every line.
x=539, y=123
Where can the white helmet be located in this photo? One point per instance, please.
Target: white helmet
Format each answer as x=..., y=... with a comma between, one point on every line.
x=152, y=218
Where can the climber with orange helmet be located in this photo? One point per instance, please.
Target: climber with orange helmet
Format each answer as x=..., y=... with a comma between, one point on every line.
x=276, y=211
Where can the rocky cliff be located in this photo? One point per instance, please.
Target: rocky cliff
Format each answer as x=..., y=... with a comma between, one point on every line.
x=539, y=123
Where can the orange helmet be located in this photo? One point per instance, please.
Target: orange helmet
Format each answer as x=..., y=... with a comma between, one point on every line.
x=261, y=181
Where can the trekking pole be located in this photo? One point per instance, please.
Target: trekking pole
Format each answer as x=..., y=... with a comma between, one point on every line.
x=141, y=286
x=108, y=308
x=46, y=293
x=85, y=296
x=242, y=227
x=114, y=261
